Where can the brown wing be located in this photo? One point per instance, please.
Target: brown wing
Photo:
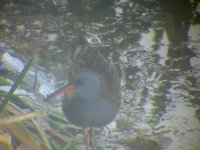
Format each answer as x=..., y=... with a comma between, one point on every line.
x=85, y=57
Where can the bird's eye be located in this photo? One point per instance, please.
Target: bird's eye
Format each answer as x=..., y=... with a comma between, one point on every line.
x=78, y=82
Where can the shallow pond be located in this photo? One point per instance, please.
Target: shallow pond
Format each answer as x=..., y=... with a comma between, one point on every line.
x=154, y=45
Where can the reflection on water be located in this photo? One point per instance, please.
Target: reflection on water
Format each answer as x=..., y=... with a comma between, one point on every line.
x=154, y=44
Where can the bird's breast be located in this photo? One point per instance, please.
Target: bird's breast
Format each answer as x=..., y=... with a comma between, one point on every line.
x=89, y=113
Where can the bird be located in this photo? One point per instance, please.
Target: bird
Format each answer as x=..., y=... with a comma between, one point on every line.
x=92, y=94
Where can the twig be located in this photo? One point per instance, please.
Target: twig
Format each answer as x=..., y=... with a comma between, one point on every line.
x=21, y=117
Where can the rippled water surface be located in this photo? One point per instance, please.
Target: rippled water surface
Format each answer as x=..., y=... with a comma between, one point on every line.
x=156, y=46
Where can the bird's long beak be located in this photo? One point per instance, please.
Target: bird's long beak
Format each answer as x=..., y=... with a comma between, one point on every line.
x=69, y=89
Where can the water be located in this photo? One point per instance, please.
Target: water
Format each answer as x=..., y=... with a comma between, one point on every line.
x=156, y=48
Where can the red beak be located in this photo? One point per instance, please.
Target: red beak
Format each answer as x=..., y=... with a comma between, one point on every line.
x=65, y=90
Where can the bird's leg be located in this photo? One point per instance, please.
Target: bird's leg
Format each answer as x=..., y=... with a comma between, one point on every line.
x=86, y=138
x=89, y=138
x=92, y=139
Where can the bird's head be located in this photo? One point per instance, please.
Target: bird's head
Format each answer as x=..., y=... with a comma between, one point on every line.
x=86, y=84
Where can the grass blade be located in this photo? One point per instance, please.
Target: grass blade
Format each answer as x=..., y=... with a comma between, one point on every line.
x=15, y=85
